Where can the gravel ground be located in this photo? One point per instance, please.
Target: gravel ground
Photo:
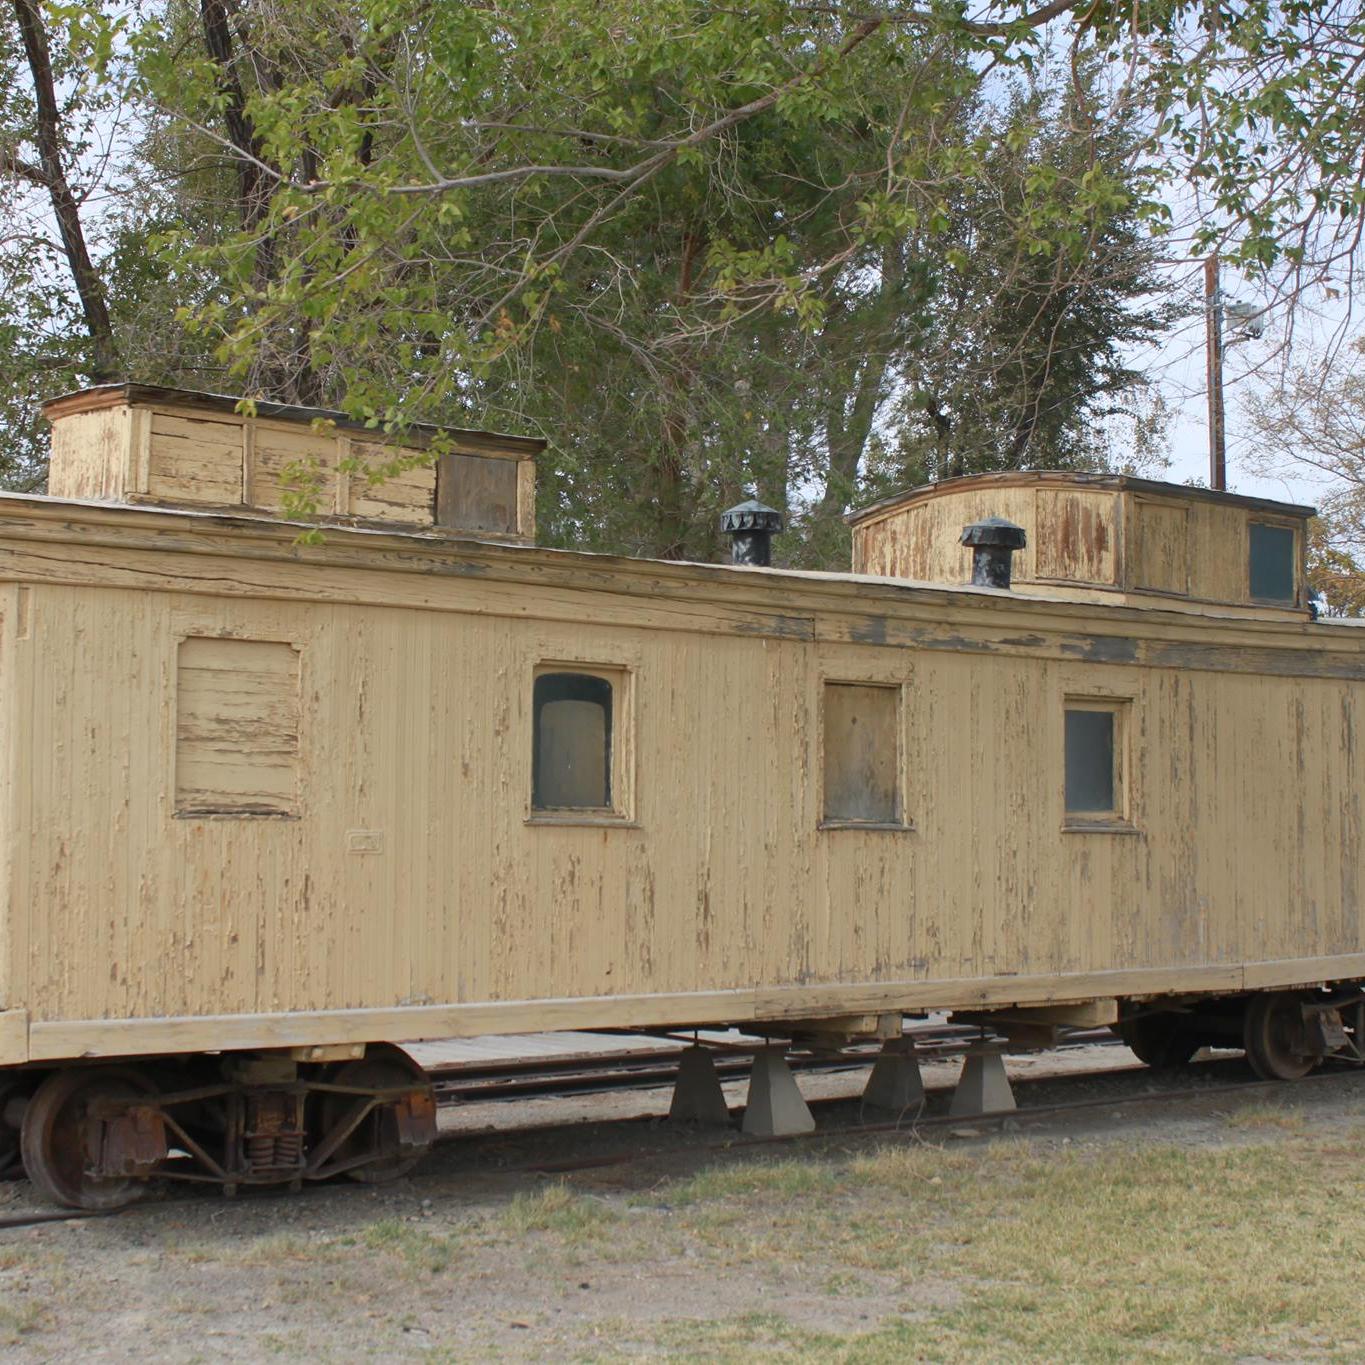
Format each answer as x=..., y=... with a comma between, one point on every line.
x=510, y=1243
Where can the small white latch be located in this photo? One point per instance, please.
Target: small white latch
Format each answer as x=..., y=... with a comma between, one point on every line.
x=365, y=840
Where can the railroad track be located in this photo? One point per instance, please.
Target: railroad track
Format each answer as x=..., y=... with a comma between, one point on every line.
x=647, y=1069
x=574, y=1076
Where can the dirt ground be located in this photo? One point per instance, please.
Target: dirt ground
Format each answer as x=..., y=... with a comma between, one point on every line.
x=1222, y=1226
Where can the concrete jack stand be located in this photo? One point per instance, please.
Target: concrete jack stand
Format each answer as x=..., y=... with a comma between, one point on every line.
x=775, y=1107
x=895, y=1083
x=983, y=1088
x=697, y=1096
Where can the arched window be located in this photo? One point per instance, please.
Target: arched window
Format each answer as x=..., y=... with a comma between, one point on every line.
x=571, y=746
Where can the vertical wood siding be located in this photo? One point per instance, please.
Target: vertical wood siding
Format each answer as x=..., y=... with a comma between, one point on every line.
x=412, y=876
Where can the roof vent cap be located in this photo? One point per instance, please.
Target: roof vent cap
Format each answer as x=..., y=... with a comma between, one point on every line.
x=993, y=543
x=752, y=526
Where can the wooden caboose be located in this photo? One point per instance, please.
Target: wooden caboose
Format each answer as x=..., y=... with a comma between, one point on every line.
x=270, y=805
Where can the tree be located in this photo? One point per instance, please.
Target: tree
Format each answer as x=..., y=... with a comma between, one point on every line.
x=49, y=112
x=1311, y=426
x=803, y=248
x=748, y=319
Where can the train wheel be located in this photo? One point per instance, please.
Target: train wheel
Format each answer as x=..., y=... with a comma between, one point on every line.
x=1161, y=1039
x=383, y=1067
x=1273, y=1035
x=54, y=1134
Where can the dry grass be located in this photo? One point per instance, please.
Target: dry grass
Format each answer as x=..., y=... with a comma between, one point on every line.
x=1162, y=1253
x=1268, y=1114
x=1242, y=1244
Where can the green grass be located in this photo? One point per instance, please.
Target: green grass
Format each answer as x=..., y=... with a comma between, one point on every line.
x=558, y=1210
x=423, y=1250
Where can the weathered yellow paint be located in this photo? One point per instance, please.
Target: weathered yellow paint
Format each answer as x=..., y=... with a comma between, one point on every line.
x=1114, y=537
x=412, y=893
x=13, y=1037
x=134, y=443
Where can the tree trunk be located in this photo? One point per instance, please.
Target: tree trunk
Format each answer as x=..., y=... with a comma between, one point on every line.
x=64, y=206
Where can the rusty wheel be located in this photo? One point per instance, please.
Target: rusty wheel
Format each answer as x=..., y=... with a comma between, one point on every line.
x=55, y=1136
x=1275, y=1039
x=383, y=1068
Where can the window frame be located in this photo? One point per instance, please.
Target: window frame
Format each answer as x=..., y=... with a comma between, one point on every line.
x=902, y=823
x=621, y=739
x=1119, y=818
x=1295, y=560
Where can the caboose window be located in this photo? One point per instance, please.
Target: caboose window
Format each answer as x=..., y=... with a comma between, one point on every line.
x=1094, y=770
x=1271, y=562
x=571, y=755
x=862, y=755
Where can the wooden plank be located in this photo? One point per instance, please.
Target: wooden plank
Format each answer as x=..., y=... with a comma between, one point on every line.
x=55, y=1039
x=89, y=457
x=249, y=463
x=224, y=431
x=341, y=500
x=140, y=444
x=1160, y=559
x=189, y=468
x=237, y=727
x=1076, y=536
x=13, y=1037
x=526, y=500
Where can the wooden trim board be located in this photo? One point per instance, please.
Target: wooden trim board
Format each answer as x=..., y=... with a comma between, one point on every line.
x=54, y=1040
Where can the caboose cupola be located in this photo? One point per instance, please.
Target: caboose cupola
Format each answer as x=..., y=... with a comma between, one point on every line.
x=137, y=443
x=1106, y=537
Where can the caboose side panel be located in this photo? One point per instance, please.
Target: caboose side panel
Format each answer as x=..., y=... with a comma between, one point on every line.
x=374, y=866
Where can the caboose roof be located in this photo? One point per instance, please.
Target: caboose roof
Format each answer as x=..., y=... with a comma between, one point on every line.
x=1056, y=478
x=113, y=395
x=785, y=598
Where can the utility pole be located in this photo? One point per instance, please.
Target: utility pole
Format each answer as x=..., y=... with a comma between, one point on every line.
x=1213, y=318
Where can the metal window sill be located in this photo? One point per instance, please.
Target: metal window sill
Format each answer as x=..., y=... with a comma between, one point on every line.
x=1099, y=827
x=587, y=819
x=228, y=814
x=883, y=826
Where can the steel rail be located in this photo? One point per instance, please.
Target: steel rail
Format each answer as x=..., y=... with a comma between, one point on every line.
x=587, y=1073
x=729, y=1140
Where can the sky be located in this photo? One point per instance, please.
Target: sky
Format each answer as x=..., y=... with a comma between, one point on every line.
x=1178, y=368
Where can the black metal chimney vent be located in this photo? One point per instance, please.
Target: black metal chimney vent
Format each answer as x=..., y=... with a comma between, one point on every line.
x=752, y=527
x=993, y=543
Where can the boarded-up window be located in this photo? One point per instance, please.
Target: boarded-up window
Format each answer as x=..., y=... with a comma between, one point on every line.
x=1272, y=562
x=476, y=493
x=1095, y=744
x=237, y=728
x=571, y=754
x=862, y=754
